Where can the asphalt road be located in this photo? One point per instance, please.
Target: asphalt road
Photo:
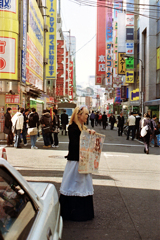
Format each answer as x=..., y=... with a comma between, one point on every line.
x=127, y=196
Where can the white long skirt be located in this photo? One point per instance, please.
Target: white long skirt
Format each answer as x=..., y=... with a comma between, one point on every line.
x=74, y=183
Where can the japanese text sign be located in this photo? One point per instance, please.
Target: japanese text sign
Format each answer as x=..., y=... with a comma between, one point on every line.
x=129, y=77
x=51, y=42
x=134, y=95
x=130, y=20
x=121, y=64
x=130, y=48
x=71, y=81
x=12, y=99
x=130, y=63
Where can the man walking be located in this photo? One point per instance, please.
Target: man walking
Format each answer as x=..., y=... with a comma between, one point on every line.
x=131, y=123
x=112, y=121
x=120, y=124
x=17, y=125
x=104, y=120
x=92, y=117
x=64, y=121
x=153, y=136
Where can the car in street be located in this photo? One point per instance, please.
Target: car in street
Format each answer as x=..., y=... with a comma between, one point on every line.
x=28, y=210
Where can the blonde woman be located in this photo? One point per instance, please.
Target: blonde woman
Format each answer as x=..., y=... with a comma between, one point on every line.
x=76, y=189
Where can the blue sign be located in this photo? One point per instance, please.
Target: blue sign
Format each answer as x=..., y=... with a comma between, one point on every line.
x=5, y=4
x=24, y=51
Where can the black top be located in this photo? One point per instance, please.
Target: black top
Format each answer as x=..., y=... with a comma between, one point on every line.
x=8, y=122
x=104, y=118
x=56, y=121
x=64, y=118
x=46, y=120
x=33, y=120
x=120, y=121
x=74, y=140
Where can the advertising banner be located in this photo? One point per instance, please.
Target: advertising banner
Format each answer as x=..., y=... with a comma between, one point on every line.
x=60, y=83
x=134, y=95
x=129, y=77
x=24, y=51
x=9, y=39
x=51, y=39
x=117, y=9
x=100, y=44
x=129, y=20
x=129, y=33
x=71, y=81
x=34, y=58
x=130, y=63
x=130, y=48
x=90, y=152
x=109, y=41
x=12, y=99
x=121, y=64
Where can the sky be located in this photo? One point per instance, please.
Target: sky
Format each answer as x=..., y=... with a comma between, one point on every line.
x=81, y=20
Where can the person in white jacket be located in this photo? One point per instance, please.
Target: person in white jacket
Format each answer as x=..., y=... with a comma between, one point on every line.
x=17, y=126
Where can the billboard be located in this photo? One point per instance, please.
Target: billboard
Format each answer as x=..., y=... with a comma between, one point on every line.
x=24, y=50
x=71, y=81
x=129, y=77
x=130, y=63
x=130, y=48
x=100, y=44
x=109, y=41
x=129, y=20
x=51, y=40
x=117, y=9
x=121, y=64
x=34, y=57
x=9, y=30
x=134, y=95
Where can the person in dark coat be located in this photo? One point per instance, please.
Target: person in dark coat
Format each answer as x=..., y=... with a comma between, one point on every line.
x=137, y=128
x=92, y=117
x=64, y=121
x=25, y=124
x=120, y=124
x=8, y=125
x=96, y=118
x=104, y=120
x=46, y=123
x=33, y=123
x=76, y=191
x=56, y=126
x=112, y=121
x=144, y=122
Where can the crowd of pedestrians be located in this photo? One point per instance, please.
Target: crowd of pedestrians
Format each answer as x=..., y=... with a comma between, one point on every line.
x=26, y=122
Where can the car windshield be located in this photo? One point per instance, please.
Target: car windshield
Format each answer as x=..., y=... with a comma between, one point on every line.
x=16, y=211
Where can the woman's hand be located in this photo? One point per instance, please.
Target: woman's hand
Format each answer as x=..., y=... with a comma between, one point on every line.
x=92, y=132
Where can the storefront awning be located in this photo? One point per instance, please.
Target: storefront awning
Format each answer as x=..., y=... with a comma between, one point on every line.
x=152, y=102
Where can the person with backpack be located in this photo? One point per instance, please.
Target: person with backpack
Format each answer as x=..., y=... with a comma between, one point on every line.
x=33, y=127
x=92, y=117
x=17, y=126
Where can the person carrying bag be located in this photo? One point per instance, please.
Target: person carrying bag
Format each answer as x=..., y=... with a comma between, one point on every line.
x=33, y=124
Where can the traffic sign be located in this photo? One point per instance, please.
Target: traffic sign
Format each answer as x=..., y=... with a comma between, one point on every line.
x=129, y=77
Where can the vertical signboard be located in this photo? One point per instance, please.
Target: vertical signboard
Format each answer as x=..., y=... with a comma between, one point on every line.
x=129, y=20
x=71, y=81
x=9, y=30
x=67, y=73
x=51, y=42
x=34, y=64
x=61, y=68
x=24, y=51
x=121, y=64
x=100, y=44
x=109, y=39
x=117, y=9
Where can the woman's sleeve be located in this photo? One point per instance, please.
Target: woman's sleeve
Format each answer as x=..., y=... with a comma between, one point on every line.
x=74, y=137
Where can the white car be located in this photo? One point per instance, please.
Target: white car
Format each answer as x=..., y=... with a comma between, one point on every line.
x=28, y=210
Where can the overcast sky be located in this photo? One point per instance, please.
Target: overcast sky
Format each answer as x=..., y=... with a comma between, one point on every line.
x=81, y=20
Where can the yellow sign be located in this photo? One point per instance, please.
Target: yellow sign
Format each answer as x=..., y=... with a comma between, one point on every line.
x=121, y=64
x=51, y=41
x=9, y=30
x=129, y=77
x=158, y=58
x=134, y=95
x=35, y=44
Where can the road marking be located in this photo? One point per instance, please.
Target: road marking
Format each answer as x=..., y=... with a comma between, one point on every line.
x=109, y=155
x=117, y=144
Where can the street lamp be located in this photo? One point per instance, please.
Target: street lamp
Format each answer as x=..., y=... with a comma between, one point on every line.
x=142, y=80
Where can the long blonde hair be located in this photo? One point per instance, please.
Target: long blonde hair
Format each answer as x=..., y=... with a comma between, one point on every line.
x=74, y=118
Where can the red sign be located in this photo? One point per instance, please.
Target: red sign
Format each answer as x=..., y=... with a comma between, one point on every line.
x=61, y=68
x=12, y=99
x=101, y=43
x=71, y=81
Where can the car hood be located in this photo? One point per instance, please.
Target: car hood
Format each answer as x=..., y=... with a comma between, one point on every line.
x=38, y=187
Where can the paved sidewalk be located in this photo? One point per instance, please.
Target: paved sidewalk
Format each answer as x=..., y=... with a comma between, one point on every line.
x=126, y=199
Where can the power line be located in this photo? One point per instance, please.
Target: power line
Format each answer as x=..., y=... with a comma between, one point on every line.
x=84, y=44
x=94, y=4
